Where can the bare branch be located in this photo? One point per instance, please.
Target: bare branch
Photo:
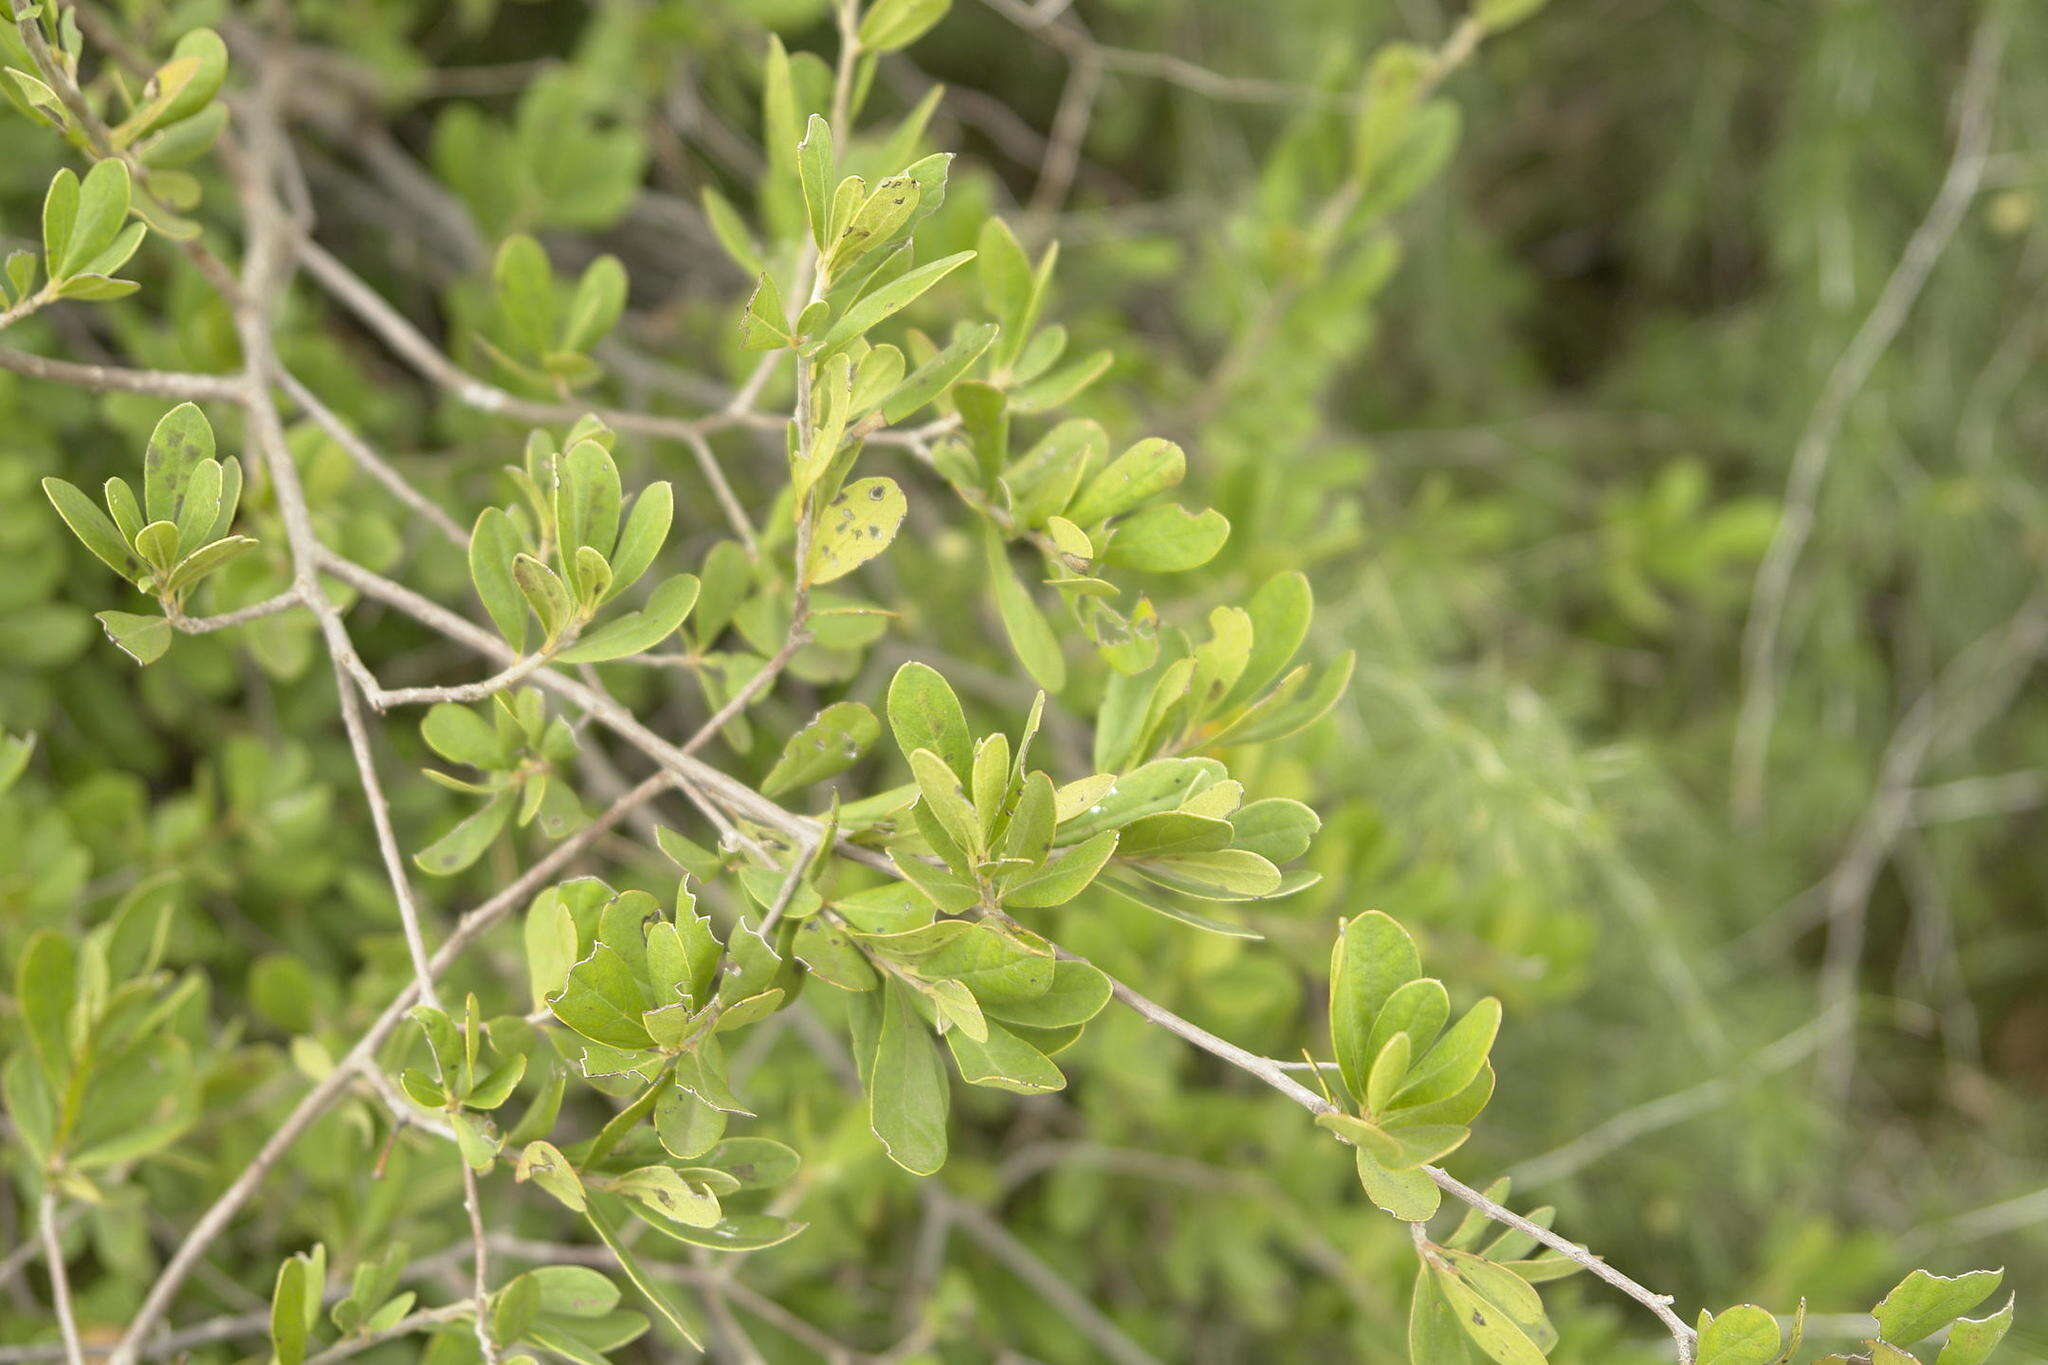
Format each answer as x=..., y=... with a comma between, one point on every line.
x=60, y=1284
x=1763, y=634
x=255, y=611
x=197, y=388
x=369, y=460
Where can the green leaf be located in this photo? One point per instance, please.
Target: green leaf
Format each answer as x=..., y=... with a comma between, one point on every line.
x=832, y=742
x=881, y=215
x=493, y=544
x=544, y=592
x=45, y=990
x=1389, y=1069
x=1743, y=1335
x=1003, y=1061
x=638, y=631
x=1922, y=1304
x=947, y=801
x=995, y=966
x=1419, y=1008
x=664, y=1190
x=514, y=1309
x=525, y=287
x=731, y=230
x=157, y=543
x=1038, y=649
x=496, y=1086
x=544, y=1164
x=1061, y=878
x=1006, y=279
x=181, y=440
x=1277, y=829
x=1373, y=957
x=1408, y=1195
x=20, y=275
x=574, y=1291
x=295, y=1305
x=908, y=1096
x=1167, y=538
x=1460, y=1108
x=102, y=208
x=855, y=527
x=1456, y=1059
x=595, y=307
x=94, y=529
x=1151, y=466
x=1434, y=1334
x=936, y=375
x=208, y=56
x=60, y=202
x=603, y=1000
x=755, y=1163
x=924, y=713
x=466, y=842
x=894, y=24
x=645, y=532
x=587, y=498
x=887, y=300
x=460, y=735
x=686, y=1125
x=764, y=326
x=1972, y=1340
x=736, y=1232
x=144, y=638
x=1226, y=874
x=200, y=506
x=815, y=164
x=1490, y=1326
x=605, y=1220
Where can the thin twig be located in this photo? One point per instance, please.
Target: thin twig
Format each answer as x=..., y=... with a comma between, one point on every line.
x=368, y=460
x=481, y=1263
x=1969, y=692
x=1762, y=635
x=264, y=277
x=999, y=1242
x=255, y=611
x=1667, y=1110
x=512, y=674
x=60, y=1284
x=404, y=1327
x=197, y=388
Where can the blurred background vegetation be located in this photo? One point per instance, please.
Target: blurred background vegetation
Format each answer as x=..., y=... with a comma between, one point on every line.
x=1772, y=1030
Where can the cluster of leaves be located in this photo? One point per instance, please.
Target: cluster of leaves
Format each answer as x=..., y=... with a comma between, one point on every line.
x=545, y=330
x=518, y=748
x=1475, y=1295
x=1414, y=1084
x=86, y=238
x=171, y=120
x=938, y=903
x=1918, y=1307
x=106, y=1076
x=172, y=539
x=570, y=547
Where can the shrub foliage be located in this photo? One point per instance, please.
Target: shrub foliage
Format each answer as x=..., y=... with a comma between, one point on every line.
x=645, y=786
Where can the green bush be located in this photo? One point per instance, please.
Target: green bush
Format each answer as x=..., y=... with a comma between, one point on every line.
x=913, y=711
